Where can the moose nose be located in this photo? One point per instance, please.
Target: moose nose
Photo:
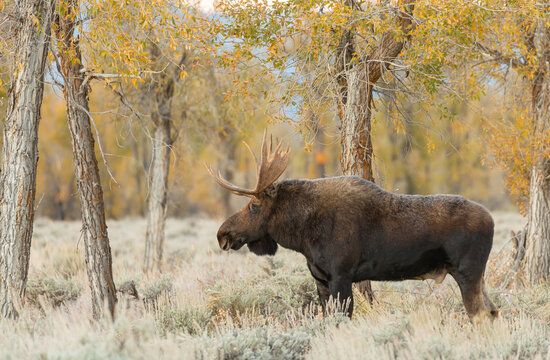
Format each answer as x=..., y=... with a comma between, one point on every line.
x=223, y=240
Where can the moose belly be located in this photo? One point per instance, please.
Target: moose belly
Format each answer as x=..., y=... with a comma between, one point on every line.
x=431, y=264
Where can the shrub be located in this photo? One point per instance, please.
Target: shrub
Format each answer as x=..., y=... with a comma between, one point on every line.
x=189, y=321
x=263, y=343
x=265, y=294
x=68, y=263
x=161, y=287
x=57, y=292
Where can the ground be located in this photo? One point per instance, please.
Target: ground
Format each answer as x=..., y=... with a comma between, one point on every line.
x=210, y=304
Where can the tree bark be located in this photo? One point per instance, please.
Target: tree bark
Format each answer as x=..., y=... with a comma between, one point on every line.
x=94, y=228
x=20, y=151
x=356, y=79
x=158, y=192
x=537, y=252
x=160, y=164
x=357, y=151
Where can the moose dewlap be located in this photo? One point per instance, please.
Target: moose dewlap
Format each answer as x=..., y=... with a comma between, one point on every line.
x=351, y=230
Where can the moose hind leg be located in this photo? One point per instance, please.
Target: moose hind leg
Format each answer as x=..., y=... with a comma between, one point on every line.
x=473, y=297
x=468, y=270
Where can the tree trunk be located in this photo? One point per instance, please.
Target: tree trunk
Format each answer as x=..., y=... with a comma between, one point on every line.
x=20, y=151
x=357, y=152
x=537, y=253
x=160, y=165
x=94, y=228
x=158, y=191
x=356, y=78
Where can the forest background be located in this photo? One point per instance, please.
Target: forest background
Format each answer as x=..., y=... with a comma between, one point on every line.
x=449, y=149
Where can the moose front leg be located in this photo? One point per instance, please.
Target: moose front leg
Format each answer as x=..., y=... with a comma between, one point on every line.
x=341, y=290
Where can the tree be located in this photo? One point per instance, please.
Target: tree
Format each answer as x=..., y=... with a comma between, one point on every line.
x=19, y=150
x=535, y=70
x=94, y=229
x=163, y=138
x=510, y=44
x=537, y=253
x=160, y=43
x=357, y=73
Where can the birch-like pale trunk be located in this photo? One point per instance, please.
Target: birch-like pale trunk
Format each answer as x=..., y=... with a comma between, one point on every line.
x=158, y=193
x=94, y=229
x=537, y=252
x=357, y=152
x=20, y=151
x=163, y=139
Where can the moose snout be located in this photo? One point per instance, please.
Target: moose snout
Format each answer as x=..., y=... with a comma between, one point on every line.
x=224, y=240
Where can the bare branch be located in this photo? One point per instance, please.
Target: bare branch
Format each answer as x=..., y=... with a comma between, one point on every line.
x=497, y=56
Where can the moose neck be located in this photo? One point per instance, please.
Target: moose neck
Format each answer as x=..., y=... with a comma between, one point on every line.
x=288, y=224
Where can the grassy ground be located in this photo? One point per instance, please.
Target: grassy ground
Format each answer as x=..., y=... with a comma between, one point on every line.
x=212, y=305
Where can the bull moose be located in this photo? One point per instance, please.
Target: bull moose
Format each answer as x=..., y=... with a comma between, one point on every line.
x=350, y=230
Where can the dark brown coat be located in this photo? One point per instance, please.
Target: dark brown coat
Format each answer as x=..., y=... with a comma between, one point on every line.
x=350, y=230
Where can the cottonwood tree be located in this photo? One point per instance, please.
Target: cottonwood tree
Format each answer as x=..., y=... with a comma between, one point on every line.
x=76, y=89
x=357, y=72
x=169, y=38
x=164, y=133
x=517, y=39
x=32, y=24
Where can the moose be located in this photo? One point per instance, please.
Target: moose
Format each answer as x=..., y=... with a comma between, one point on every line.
x=350, y=230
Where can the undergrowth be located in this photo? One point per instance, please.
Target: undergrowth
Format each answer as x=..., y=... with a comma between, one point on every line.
x=217, y=305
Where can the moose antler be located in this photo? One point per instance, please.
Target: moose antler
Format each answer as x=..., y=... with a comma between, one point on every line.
x=273, y=164
x=271, y=167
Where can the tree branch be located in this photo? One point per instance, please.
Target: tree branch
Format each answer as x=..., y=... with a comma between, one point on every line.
x=497, y=56
x=389, y=48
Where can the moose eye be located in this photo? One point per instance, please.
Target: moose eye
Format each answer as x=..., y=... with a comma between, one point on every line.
x=253, y=207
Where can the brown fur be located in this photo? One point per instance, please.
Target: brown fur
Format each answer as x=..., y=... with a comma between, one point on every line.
x=350, y=230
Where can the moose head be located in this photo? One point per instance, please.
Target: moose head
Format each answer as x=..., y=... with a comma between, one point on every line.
x=249, y=225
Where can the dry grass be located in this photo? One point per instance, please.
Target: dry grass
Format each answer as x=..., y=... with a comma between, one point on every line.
x=212, y=305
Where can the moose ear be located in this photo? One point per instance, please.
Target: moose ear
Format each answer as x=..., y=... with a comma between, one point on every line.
x=271, y=191
x=264, y=246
